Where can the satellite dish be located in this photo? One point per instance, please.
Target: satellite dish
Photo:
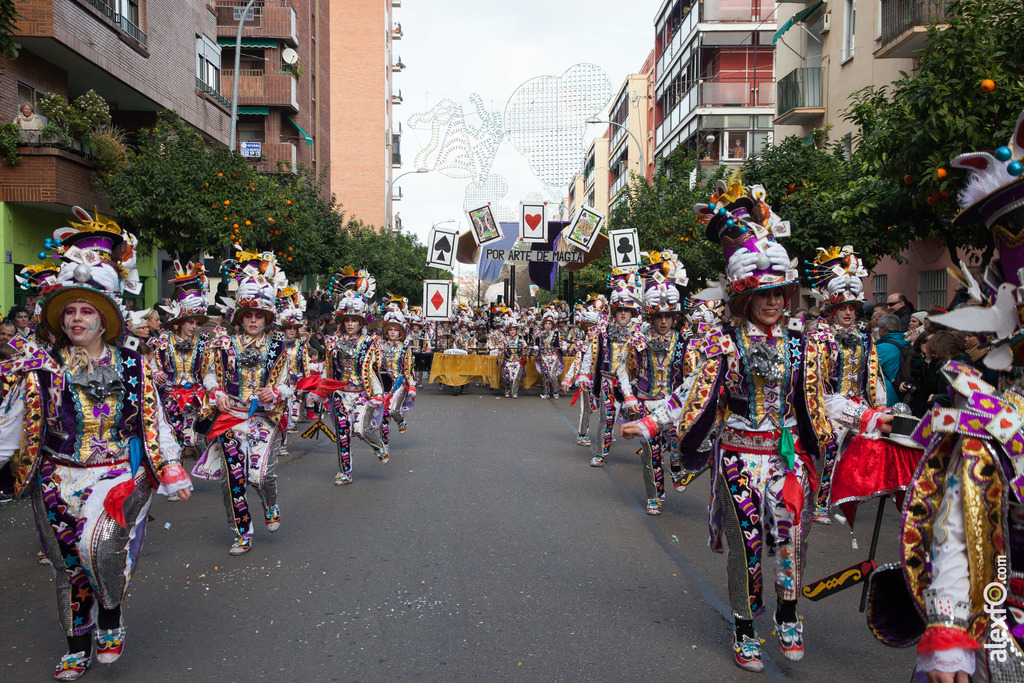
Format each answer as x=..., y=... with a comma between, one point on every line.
x=289, y=56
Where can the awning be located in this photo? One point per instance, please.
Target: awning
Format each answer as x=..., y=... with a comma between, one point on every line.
x=309, y=140
x=799, y=16
x=247, y=42
x=253, y=111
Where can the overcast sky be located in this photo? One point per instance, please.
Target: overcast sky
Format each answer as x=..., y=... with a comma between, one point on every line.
x=453, y=48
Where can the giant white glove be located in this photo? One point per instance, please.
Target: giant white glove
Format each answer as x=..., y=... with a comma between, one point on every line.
x=741, y=264
x=776, y=253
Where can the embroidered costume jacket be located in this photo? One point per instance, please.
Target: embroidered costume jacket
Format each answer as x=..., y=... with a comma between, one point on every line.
x=355, y=362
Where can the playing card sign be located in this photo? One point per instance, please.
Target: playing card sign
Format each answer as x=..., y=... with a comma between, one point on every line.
x=625, y=248
x=485, y=228
x=441, y=247
x=585, y=228
x=437, y=299
x=533, y=223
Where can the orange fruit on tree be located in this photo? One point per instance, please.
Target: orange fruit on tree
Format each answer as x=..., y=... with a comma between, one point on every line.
x=908, y=179
x=988, y=85
x=941, y=173
x=227, y=202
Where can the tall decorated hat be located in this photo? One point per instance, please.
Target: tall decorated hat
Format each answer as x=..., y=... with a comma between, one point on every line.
x=394, y=319
x=258, y=278
x=625, y=289
x=291, y=307
x=356, y=288
x=97, y=266
x=33, y=278
x=663, y=274
x=191, y=289
x=837, y=274
x=994, y=196
x=738, y=217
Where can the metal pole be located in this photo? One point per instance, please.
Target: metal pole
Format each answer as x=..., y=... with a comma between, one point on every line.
x=874, y=546
x=238, y=63
x=643, y=164
x=391, y=185
x=512, y=287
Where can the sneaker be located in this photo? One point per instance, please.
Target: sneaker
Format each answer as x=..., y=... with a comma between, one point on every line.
x=383, y=455
x=515, y=395
x=748, y=653
x=341, y=479
x=543, y=395
x=173, y=498
x=554, y=396
x=597, y=461
x=506, y=394
x=283, y=451
x=791, y=638
x=109, y=644
x=402, y=426
x=583, y=440
x=653, y=506
x=821, y=515
x=43, y=559
x=72, y=666
x=240, y=547
x=273, y=518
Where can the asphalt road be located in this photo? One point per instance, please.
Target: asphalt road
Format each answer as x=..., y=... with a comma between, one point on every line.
x=486, y=549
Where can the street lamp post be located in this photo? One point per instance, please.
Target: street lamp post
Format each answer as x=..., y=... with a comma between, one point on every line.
x=391, y=185
x=639, y=147
x=238, y=63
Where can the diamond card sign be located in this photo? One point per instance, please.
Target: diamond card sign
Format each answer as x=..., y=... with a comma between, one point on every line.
x=532, y=223
x=624, y=247
x=437, y=299
x=583, y=231
x=441, y=247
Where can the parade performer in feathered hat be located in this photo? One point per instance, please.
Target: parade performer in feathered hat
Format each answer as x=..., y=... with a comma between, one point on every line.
x=397, y=376
x=421, y=342
x=88, y=440
x=291, y=314
x=609, y=363
x=962, y=538
x=353, y=360
x=765, y=381
x=180, y=354
x=590, y=320
x=548, y=345
x=514, y=350
x=247, y=384
x=660, y=363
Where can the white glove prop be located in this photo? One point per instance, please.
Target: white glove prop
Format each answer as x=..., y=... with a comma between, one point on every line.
x=742, y=263
x=776, y=253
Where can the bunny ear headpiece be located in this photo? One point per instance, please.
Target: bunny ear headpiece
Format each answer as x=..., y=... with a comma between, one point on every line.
x=739, y=217
x=994, y=195
x=836, y=278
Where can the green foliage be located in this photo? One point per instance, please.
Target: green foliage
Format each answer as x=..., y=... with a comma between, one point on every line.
x=89, y=112
x=398, y=263
x=10, y=138
x=8, y=24
x=110, y=151
x=915, y=126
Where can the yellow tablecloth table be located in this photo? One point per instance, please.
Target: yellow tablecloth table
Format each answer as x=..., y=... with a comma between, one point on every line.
x=456, y=370
x=532, y=377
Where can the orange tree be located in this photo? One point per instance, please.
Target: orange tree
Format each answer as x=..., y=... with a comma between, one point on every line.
x=964, y=95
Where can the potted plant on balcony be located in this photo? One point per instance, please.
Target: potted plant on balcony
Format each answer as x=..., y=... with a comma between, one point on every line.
x=75, y=121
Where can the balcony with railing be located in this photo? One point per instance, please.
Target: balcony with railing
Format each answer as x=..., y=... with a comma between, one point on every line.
x=271, y=19
x=715, y=93
x=905, y=26
x=128, y=28
x=212, y=93
x=715, y=12
x=260, y=89
x=800, y=97
x=396, y=150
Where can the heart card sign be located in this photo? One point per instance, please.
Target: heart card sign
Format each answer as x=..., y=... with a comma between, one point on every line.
x=484, y=228
x=533, y=223
x=437, y=299
x=625, y=248
x=584, y=230
x=441, y=247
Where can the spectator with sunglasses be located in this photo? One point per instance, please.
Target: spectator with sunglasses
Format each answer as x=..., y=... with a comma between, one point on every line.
x=900, y=306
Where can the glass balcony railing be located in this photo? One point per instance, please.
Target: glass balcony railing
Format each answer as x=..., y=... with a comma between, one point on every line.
x=800, y=88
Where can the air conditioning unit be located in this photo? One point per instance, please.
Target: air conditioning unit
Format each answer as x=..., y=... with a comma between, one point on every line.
x=826, y=22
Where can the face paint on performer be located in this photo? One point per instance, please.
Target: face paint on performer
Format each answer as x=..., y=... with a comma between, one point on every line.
x=83, y=325
x=254, y=323
x=845, y=315
x=393, y=333
x=187, y=328
x=352, y=326
x=548, y=325
x=766, y=308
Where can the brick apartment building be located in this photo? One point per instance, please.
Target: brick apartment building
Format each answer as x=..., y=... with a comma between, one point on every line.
x=141, y=56
x=364, y=139
x=283, y=80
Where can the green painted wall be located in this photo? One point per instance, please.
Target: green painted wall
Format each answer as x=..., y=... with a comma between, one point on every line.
x=22, y=231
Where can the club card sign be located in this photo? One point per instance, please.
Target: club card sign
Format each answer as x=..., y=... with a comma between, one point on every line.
x=437, y=299
x=585, y=228
x=533, y=223
x=484, y=228
x=625, y=248
x=441, y=247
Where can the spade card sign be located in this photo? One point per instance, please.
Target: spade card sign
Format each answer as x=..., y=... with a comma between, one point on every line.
x=437, y=299
x=533, y=223
x=584, y=230
x=624, y=247
x=441, y=253
x=485, y=228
